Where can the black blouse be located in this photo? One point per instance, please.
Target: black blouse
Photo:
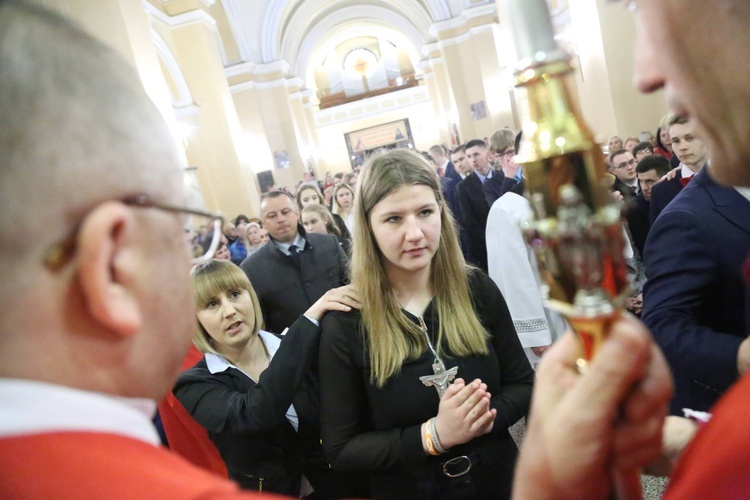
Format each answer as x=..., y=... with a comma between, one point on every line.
x=366, y=428
x=247, y=420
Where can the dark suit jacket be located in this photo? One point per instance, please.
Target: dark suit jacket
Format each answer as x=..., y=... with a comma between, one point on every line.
x=474, y=212
x=498, y=185
x=285, y=290
x=627, y=192
x=451, y=172
x=637, y=215
x=695, y=301
x=661, y=194
x=448, y=186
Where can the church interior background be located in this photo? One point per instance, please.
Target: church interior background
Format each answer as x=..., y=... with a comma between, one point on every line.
x=260, y=91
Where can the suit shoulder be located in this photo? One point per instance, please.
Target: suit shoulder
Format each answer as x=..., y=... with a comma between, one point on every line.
x=321, y=239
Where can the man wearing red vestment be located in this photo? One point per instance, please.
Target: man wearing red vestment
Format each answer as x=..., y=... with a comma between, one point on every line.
x=97, y=308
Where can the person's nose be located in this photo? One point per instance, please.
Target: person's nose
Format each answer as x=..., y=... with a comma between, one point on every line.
x=647, y=71
x=227, y=309
x=413, y=229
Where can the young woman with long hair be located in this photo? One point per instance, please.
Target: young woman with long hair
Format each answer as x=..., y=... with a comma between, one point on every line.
x=426, y=319
x=317, y=219
x=343, y=204
x=309, y=194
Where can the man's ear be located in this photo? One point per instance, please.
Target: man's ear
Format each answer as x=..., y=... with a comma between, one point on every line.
x=107, y=269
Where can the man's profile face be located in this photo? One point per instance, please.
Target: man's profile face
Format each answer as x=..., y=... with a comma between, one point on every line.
x=647, y=181
x=623, y=166
x=280, y=218
x=437, y=158
x=230, y=230
x=459, y=160
x=691, y=150
x=690, y=64
x=478, y=157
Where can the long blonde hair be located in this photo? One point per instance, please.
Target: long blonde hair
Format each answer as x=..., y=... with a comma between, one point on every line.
x=390, y=336
x=338, y=209
x=308, y=186
x=209, y=279
x=323, y=213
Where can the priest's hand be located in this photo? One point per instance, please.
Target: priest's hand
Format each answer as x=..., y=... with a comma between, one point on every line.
x=582, y=427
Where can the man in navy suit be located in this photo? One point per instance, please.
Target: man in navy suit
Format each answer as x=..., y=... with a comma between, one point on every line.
x=445, y=167
x=695, y=301
x=649, y=170
x=474, y=208
x=449, y=178
x=693, y=155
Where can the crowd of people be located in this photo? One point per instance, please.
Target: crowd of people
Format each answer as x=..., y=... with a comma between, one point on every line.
x=373, y=337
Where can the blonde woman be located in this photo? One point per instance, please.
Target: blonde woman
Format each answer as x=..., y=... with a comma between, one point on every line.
x=426, y=320
x=253, y=240
x=317, y=219
x=309, y=194
x=343, y=204
x=252, y=390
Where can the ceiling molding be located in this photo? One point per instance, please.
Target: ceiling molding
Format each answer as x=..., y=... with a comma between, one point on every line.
x=381, y=22
x=462, y=20
x=363, y=108
x=441, y=11
x=197, y=16
x=271, y=26
x=184, y=98
x=245, y=68
x=185, y=19
x=279, y=82
x=232, y=13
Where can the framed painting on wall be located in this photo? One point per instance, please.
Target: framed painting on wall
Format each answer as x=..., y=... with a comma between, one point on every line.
x=361, y=143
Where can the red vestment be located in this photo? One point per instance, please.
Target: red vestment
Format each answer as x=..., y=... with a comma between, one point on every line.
x=94, y=465
x=717, y=463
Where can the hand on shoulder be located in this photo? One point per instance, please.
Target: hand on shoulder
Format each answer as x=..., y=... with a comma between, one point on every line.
x=344, y=298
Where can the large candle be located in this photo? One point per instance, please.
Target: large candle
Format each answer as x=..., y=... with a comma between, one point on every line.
x=532, y=29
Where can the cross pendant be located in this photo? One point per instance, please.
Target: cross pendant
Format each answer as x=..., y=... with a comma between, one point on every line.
x=441, y=378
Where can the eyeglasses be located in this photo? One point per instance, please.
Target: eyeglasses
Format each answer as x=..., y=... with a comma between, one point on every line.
x=59, y=254
x=626, y=163
x=508, y=153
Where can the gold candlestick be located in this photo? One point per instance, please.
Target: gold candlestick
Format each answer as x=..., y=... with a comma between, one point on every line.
x=576, y=232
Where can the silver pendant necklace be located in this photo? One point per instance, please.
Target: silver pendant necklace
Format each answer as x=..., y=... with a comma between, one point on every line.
x=441, y=378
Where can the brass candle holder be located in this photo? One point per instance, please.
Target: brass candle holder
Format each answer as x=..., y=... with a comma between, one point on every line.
x=576, y=232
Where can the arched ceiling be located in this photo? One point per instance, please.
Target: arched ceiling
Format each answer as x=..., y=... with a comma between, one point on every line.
x=295, y=31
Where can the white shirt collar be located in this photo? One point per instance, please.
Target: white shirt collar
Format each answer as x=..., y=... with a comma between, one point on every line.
x=744, y=192
x=685, y=171
x=284, y=247
x=483, y=177
x=216, y=363
x=31, y=407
